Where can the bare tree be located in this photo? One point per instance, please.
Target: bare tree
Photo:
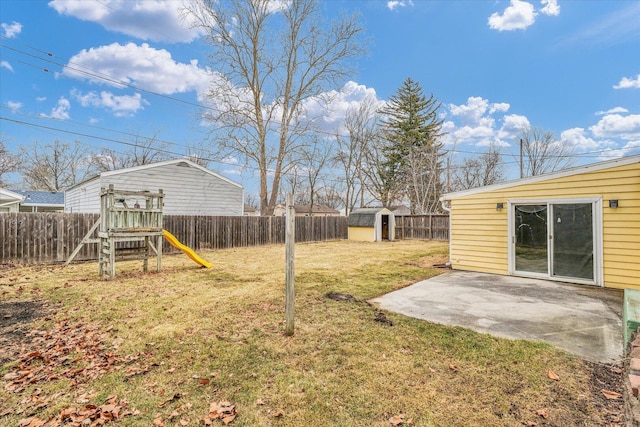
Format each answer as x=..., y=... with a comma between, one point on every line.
x=331, y=195
x=387, y=191
x=423, y=178
x=251, y=200
x=361, y=123
x=479, y=171
x=8, y=163
x=315, y=158
x=54, y=167
x=199, y=154
x=144, y=150
x=542, y=152
x=272, y=58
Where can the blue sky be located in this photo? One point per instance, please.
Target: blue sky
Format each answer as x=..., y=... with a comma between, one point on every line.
x=572, y=67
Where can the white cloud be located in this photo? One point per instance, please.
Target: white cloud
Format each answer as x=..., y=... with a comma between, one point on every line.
x=630, y=148
x=628, y=82
x=156, y=20
x=578, y=138
x=521, y=14
x=120, y=105
x=517, y=16
x=41, y=98
x=499, y=107
x=61, y=110
x=474, y=123
x=328, y=110
x=612, y=111
x=394, y=4
x=143, y=66
x=5, y=64
x=11, y=30
x=14, y=106
x=617, y=126
x=550, y=7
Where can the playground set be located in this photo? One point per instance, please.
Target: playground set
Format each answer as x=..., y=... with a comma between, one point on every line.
x=126, y=217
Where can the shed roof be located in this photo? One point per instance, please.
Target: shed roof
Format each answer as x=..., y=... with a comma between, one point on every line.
x=42, y=198
x=364, y=217
x=316, y=209
x=545, y=177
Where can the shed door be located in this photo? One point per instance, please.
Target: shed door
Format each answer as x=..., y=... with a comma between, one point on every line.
x=555, y=240
x=385, y=227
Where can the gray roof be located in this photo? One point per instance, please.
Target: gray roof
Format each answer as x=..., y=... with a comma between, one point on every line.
x=42, y=198
x=363, y=217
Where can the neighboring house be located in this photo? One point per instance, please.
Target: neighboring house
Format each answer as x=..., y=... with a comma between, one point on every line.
x=41, y=201
x=9, y=201
x=371, y=224
x=401, y=210
x=580, y=225
x=189, y=189
x=306, y=210
x=250, y=211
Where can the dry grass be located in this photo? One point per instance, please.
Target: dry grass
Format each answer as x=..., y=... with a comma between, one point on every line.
x=340, y=368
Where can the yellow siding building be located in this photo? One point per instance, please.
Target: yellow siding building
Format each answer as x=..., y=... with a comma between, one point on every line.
x=580, y=225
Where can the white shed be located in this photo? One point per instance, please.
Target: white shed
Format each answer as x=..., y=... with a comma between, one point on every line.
x=9, y=201
x=371, y=224
x=189, y=189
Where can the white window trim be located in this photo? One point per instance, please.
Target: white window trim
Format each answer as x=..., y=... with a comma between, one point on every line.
x=598, y=279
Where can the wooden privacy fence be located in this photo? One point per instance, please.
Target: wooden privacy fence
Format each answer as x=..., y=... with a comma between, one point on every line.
x=41, y=238
x=422, y=227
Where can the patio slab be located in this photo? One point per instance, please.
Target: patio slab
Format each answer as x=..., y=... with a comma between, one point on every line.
x=583, y=320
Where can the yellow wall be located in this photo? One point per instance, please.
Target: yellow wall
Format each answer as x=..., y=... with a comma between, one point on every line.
x=364, y=234
x=479, y=233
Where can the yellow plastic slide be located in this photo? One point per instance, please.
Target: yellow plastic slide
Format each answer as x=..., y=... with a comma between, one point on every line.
x=187, y=250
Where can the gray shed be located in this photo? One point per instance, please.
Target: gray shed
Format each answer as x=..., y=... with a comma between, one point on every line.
x=189, y=189
x=371, y=224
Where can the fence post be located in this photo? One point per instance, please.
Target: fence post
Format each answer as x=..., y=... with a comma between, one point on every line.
x=430, y=227
x=290, y=261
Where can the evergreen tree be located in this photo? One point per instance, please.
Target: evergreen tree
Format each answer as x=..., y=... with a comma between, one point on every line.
x=411, y=130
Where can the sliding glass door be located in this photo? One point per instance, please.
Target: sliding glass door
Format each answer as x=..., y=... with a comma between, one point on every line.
x=554, y=240
x=573, y=240
x=531, y=239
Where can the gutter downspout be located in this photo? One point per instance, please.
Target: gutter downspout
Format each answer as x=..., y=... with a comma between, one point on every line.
x=448, y=209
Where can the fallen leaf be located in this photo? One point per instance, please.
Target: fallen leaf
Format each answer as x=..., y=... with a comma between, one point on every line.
x=229, y=418
x=260, y=402
x=552, y=375
x=397, y=420
x=184, y=422
x=203, y=381
x=611, y=394
x=173, y=398
x=278, y=414
x=454, y=368
x=531, y=423
x=158, y=422
x=543, y=413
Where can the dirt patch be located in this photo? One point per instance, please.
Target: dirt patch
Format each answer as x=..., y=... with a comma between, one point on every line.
x=611, y=378
x=429, y=262
x=16, y=317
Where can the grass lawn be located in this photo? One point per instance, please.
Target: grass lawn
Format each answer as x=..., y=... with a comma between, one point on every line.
x=173, y=343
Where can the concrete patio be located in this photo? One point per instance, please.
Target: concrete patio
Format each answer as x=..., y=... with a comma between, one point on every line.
x=583, y=320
